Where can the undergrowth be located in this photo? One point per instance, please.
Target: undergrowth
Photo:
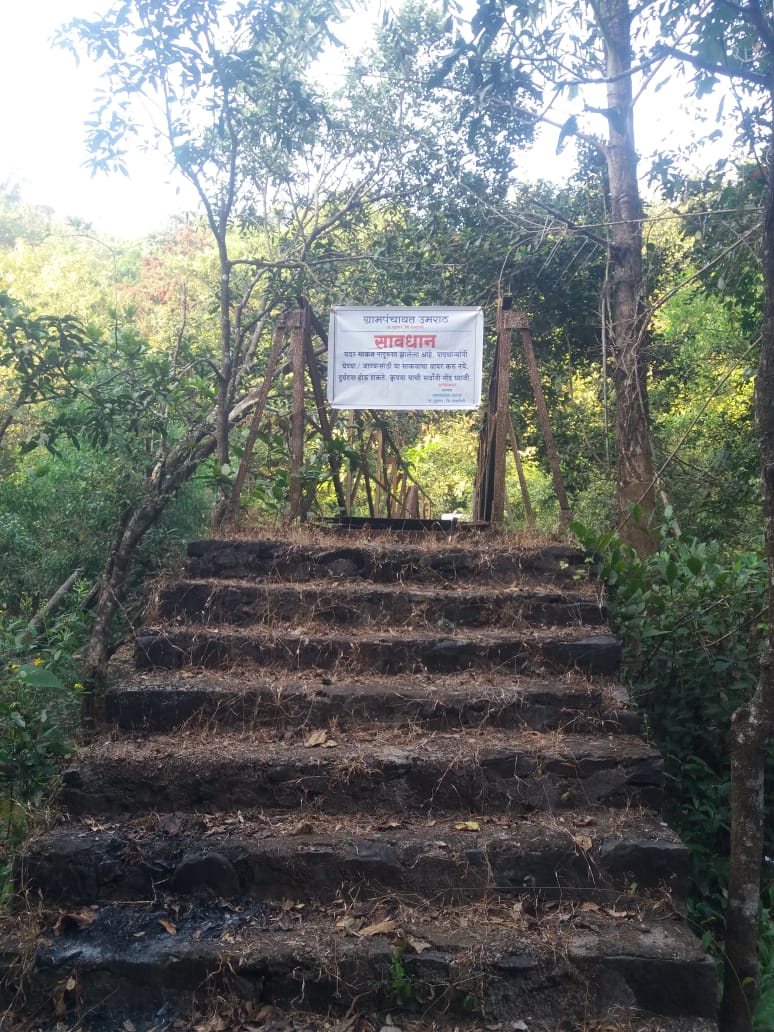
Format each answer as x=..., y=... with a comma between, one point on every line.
x=39, y=712
x=692, y=620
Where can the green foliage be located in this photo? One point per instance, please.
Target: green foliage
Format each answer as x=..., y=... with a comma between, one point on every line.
x=443, y=457
x=39, y=709
x=20, y=220
x=41, y=357
x=401, y=986
x=461, y=121
x=58, y=513
x=702, y=397
x=691, y=621
x=764, y=1011
x=232, y=83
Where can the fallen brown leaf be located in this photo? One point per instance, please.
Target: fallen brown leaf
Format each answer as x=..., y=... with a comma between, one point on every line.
x=93, y=825
x=214, y=1024
x=70, y=920
x=302, y=828
x=380, y=928
x=168, y=926
x=170, y=825
x=348, y=924
x=467, y=826
x=316, y=738
x=387, y=824
x=58, y=998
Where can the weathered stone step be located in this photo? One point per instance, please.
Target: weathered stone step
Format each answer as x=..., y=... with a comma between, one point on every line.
x=307, y=855
x=162, y=700
x=502, y=961
x=481, y=771
x=383, y=563
x=354, y=605
x=586, y=649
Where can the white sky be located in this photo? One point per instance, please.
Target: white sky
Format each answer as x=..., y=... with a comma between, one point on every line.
x=46, y=99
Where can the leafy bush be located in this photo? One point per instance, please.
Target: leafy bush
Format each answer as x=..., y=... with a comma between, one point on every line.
x=59, y=512
x=39, y=710
x=690, y=617
x=764, y=1012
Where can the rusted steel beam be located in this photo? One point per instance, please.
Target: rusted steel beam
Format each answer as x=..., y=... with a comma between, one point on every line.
x=299, y=330
x=501, y=414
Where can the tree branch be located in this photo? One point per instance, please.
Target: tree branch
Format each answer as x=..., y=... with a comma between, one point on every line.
x=730, y=71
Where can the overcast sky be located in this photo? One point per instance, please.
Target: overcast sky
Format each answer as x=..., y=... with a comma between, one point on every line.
x=46, y=99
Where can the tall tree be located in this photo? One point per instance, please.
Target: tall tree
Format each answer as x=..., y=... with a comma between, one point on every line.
x=573, y=51
x=224, y=91
x=724, y=40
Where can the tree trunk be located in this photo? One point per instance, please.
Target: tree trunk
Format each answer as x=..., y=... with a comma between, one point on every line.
x=635, y=474
x=112, y=594
x=749, y=742
x=169, y=476
x=225, y=373
x=753, y=724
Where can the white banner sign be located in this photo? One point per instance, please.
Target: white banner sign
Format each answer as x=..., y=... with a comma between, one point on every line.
x=405, y=358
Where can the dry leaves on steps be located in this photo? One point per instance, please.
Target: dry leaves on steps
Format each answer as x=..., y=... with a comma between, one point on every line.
x=380, y=928
x=319, y=739
x=74, y=920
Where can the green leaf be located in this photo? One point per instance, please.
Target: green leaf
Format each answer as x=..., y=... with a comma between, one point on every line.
x=39, y=676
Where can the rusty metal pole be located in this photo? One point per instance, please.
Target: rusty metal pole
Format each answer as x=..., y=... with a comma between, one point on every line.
x=299, y=328
x=349, y=478
x=502, y=412
x=520, y=322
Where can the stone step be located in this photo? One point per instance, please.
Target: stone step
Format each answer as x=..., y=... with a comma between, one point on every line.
x=494, y=960
x=306, y=855
x=588, y=649
x=384, y=562
x=242, y=604
x=478, y=770
x=362, y=779
x=162, y=700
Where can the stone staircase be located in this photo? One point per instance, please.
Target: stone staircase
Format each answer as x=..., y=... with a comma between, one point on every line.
x=371, y=786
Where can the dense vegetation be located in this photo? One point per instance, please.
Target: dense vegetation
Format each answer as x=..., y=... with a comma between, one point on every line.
x=130, y=368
